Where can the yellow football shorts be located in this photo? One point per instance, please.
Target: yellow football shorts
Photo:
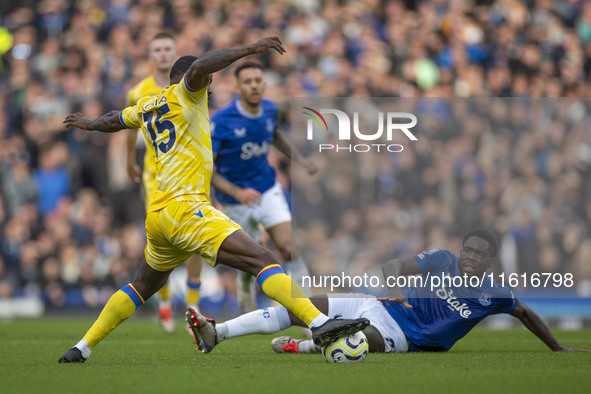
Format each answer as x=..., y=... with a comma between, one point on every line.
x=182, y=229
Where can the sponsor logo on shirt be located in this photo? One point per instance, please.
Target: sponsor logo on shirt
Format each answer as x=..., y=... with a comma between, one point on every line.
x=453, y=303
x=252, y=149
x=241, y=132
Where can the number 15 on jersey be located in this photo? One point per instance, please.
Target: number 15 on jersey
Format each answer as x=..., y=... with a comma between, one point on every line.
x=156, y=125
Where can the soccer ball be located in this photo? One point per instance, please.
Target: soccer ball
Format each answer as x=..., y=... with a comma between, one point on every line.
x=349, y=349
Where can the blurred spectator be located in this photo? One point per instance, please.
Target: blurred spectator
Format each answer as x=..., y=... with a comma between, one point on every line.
x=9, y=282
x=52, y=180
x=18, y=186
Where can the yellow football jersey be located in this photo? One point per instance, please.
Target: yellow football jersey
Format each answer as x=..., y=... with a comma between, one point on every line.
x=175, y=124
x=146, y=87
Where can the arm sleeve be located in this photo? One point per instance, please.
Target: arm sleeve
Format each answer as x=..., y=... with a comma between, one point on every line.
x=130, y=117
x=432, y=260
x=275, y=116
x=190, y=94
x=505, y=301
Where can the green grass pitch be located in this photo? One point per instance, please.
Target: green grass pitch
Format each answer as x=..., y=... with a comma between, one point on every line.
x=139, y=358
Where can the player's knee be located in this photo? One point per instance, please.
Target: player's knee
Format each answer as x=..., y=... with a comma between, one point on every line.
x=255, y=262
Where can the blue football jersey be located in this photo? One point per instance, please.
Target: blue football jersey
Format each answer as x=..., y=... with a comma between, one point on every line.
x=242, y=142
x=444, y=314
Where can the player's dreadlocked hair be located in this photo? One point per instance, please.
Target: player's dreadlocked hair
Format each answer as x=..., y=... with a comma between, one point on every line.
x=488, y=236
x=181, y=66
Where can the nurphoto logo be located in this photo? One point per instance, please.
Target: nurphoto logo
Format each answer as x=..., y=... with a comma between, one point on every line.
x=393, y=123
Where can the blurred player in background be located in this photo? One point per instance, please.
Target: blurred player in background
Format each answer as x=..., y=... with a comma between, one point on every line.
x=242, y=134
x=425, y=319
x=162, y=53
x=180, y=220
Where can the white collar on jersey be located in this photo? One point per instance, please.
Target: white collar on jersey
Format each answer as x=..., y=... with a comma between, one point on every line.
x=248, y=115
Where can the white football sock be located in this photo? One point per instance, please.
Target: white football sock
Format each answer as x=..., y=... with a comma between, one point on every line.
x=261, y=321
x=84, y=349
x=319, y=320
x=308, y=346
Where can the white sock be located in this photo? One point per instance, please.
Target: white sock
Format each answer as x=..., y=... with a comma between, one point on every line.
x=261, y=321
x=308, y=347
x=319, y=320
x=84, y=349
x=194, y=306
x=164, y=303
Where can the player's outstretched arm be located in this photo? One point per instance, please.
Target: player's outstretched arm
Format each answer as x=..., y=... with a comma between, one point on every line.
x=107, y=123
x=199, y=72
x=535, y=324
x=393, y=269
x=284, y=146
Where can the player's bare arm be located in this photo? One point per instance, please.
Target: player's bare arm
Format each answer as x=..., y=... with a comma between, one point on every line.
x=394, y=268
x=133, y=170
x=200, y=71
x=536, y=325
x=107, y=123
x=246, y=196
x=285, y=147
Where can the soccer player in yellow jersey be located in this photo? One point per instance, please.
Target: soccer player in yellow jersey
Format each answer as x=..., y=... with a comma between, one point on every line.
x=180, y=220
x=162, y=53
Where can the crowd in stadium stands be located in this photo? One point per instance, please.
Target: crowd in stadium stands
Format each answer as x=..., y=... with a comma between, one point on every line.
x=518, y=166
x=71, y=223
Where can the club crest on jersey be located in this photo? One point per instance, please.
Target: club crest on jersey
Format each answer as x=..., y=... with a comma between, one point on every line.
x=241, y=132
x=485, y=299
x=453, y=303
